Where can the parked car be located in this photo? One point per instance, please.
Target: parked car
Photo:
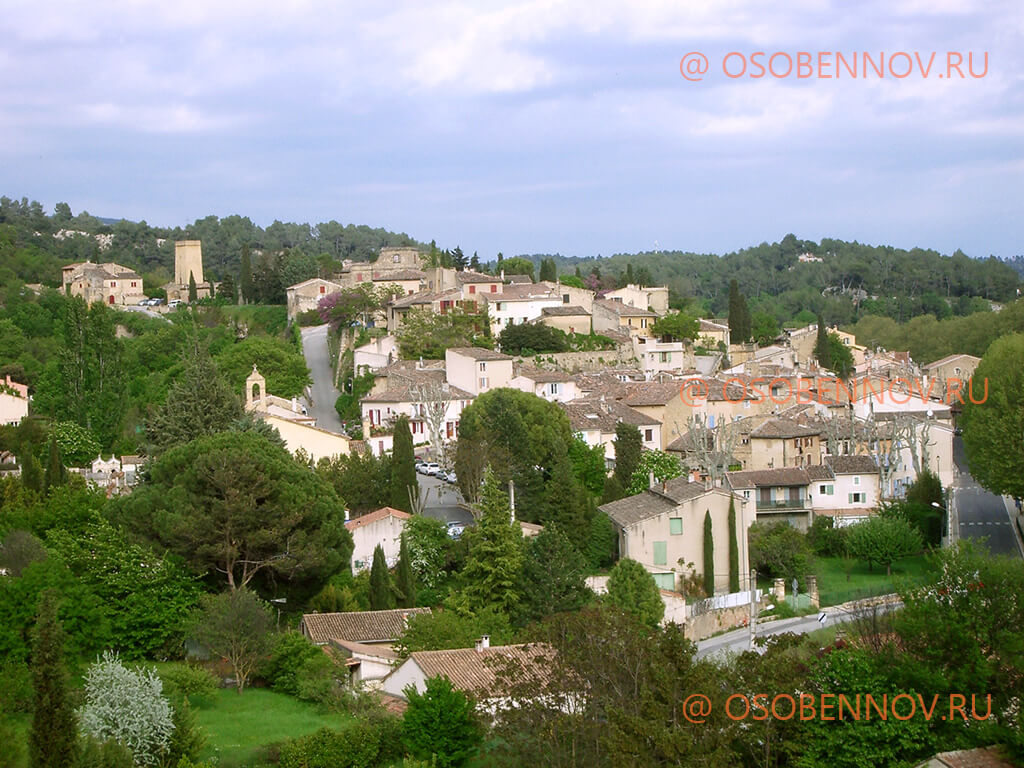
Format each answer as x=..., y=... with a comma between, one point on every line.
x=419, y=464
x=455, y=529
x=451, y=478
x=431, y=468
x=175, y=303
x=156, y=302
x=144, y=303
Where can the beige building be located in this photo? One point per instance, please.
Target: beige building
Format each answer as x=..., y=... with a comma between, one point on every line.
x=663, y=530
x=713, y=332
x=382, y=528
x=951, y=372
x=289, y=418
x=568, y=318
x=306, y=295
x=477, y=370
x=108, y=283
x=595, y=421
x=654, y=298
x=781, y=442
x=13, y=402
x=619, y=317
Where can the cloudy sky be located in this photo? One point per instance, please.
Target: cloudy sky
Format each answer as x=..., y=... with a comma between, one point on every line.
x=532, y=126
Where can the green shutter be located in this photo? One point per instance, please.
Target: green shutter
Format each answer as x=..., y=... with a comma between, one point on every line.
x=665, y=581
x=675, y=525
x=660, y=553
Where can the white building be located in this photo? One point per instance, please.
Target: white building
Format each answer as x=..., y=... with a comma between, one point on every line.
x=556, y=386
x=477, y=370
x=520, y=303
x=382, y=528
x=375, y=355
x=14, y=401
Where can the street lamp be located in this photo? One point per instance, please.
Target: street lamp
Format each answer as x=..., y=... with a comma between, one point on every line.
x=945, y=521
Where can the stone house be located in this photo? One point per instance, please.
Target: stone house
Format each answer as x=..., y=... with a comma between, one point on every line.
x=663, y=530
x=108, y=283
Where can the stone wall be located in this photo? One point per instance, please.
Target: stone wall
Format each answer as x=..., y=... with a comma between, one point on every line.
x=582, y=362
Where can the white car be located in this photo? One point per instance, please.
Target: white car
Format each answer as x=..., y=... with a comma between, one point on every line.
x=431, y=468
x=175, y=303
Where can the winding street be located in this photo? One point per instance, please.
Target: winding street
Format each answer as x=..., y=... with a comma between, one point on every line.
x=323, y=393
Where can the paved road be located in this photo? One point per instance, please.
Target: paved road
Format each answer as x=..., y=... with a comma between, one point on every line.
x=979, y=513
x=738, y=640
x=314, y=347
x=442, y=501
x=145, y=311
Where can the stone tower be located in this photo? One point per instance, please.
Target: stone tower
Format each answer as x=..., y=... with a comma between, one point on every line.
x=188, y=258
x=255, y=392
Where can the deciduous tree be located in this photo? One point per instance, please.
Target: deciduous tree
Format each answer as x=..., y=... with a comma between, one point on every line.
x=235, y=625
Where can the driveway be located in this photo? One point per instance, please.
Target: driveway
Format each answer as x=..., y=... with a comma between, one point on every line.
x=324, y=394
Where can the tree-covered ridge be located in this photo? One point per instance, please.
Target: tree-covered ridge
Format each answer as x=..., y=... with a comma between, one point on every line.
x=34, y=245
x=842, y=280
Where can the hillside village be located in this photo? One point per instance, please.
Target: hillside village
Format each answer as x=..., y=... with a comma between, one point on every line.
x=687, y=472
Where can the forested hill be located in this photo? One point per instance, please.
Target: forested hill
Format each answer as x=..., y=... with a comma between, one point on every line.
x=34, y=245
x=793, y=275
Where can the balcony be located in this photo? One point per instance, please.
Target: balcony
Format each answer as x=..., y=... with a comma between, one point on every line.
x=783, y=505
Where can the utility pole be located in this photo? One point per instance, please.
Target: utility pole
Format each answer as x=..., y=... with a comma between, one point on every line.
x=753, y=607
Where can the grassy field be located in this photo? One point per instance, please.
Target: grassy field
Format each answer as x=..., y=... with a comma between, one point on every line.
x=834, y=587
x=237, y=726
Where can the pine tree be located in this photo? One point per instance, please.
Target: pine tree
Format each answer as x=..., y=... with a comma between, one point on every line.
x=53, y=733
x=474, y=263
x=193, y=293
x=405, y=578
x=628, y=446
x=403, y=466
x=495, y=552
x=822, y=348
x=55, y=474
x=709, y=557
x=548, y=271
x=734, y=550
x=245, y=283
x=381, y=594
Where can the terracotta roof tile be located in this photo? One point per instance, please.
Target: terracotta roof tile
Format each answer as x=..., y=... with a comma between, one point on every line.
x=372, y=517
x=358, y=626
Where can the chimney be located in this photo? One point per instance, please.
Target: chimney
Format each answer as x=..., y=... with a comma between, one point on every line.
x=503, y=275
x=664, y=486
x=707, y=483
x=419, y=365
x=483, y=642
x=346, y=515
x=295, y=405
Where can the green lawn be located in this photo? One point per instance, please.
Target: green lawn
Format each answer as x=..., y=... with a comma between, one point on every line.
x=835, y=588
x=238, y=725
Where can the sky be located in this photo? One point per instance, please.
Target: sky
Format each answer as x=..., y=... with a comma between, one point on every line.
x=540, y=126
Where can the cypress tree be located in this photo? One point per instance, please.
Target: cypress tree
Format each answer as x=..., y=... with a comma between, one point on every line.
x=245, y=277
x=709, y=556
x=405, y=578
x=579, y=274
x=53, y=733
x=403, y=466
x=735, y=313
x=822, y=350
x=31, y=472
x=55, y=474
x=734, y=550
x=380, y=582
x=193, y=292
x=628, y=445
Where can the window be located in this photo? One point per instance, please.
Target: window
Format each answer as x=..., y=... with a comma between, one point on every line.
x=648, y=435
x=565, y=298
x=643, y=322
x=134, y=284
x=113, y=283
x=856, y=479
x=826, y=490
x=483, y=366
x=660, y=552
x=472, y=289
x=746, y=495
x=675, y=526
x=497, y=305
x=323, y=289
x=857, y=498
x=483, y=382
x=396, y=259
x=553, y=388
x=494, y=288
x=666, y=357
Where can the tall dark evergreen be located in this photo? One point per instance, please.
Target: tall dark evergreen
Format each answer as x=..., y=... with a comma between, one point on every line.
x=381, y=594
x=403, y=466
x=709, y=556
x=31, y=473
x=193, y=292
x=55, y=474
x=740, y=322
x=628, y=445
x=405, y=579
x=245, y=283
x=52, y=737
x=822, y=348
x=734, y=550
x=548, y=270
x=565, y=501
